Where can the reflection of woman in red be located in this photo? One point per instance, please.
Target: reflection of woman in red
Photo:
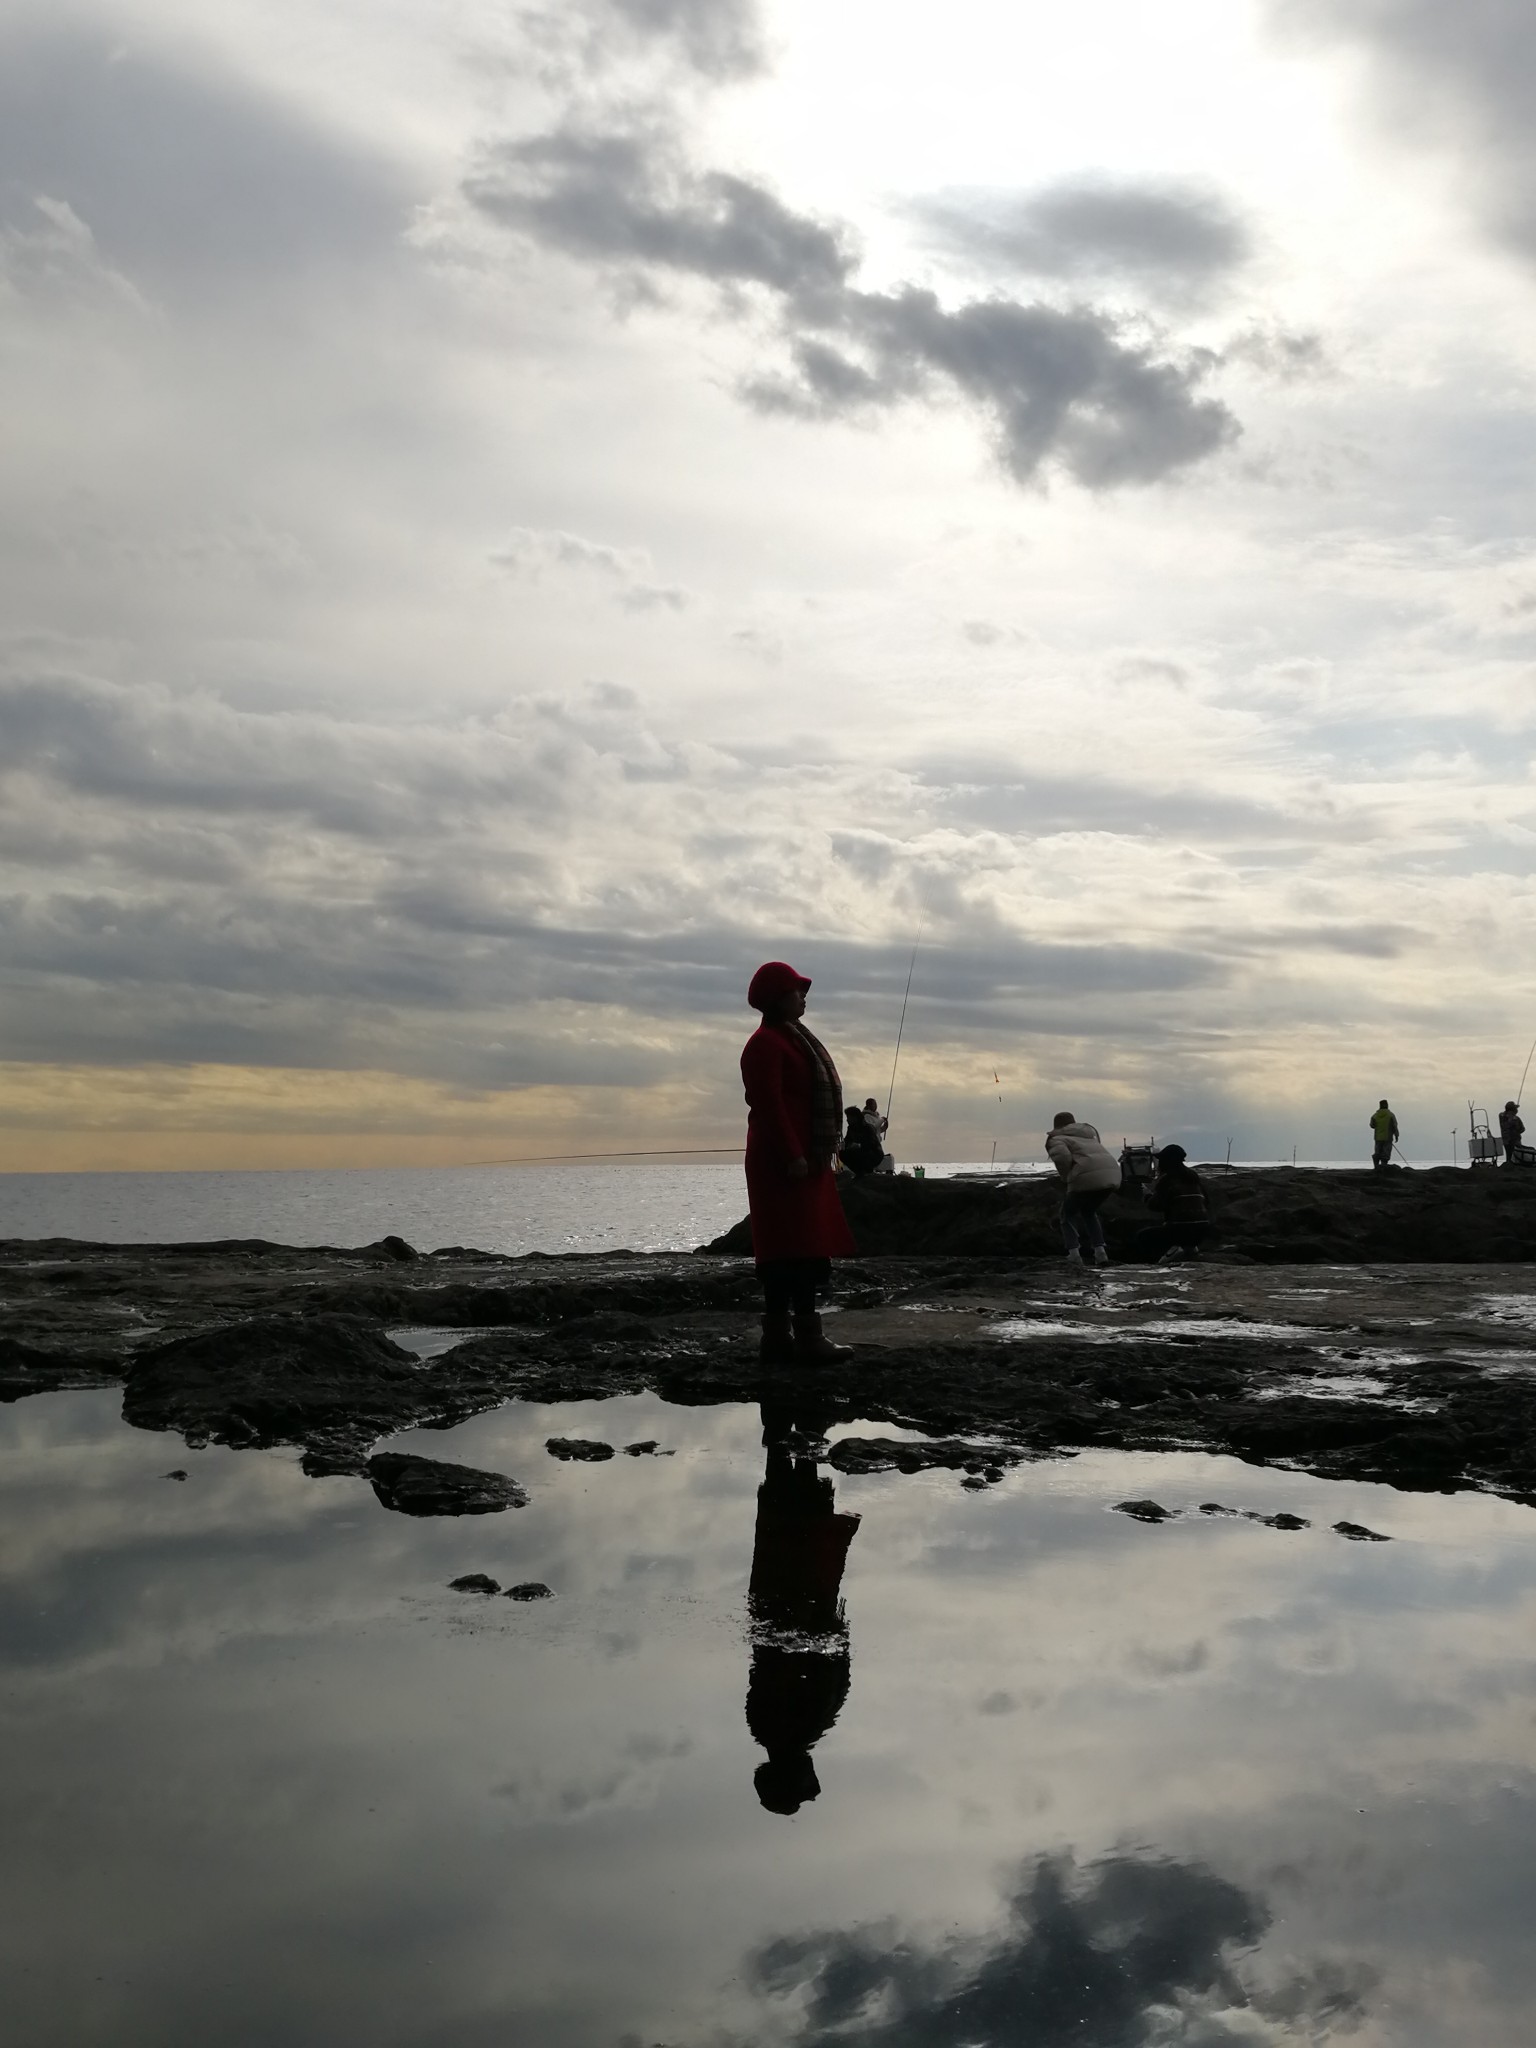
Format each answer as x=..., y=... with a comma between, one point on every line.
x=794, y=1123
x=801, y=1667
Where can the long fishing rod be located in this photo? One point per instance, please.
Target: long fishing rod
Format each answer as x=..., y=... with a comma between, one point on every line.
x=656, y=1152
x=1520, y=1091
x=890, y=1093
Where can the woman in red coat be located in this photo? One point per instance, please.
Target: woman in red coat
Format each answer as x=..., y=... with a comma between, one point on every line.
x=794, y=1122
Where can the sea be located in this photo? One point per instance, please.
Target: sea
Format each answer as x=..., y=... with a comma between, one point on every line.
x=642, y=1207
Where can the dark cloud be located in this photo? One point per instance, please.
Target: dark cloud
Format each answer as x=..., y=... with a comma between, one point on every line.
x=1169, y=237
x=1107, y=1955
x=631, y=199
x=1002, y=798
x=1463, y=75
x=1062, y=386
x=181, y=176
x=720, y=38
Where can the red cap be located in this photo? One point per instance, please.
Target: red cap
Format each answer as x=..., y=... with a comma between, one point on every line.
x=773, y=979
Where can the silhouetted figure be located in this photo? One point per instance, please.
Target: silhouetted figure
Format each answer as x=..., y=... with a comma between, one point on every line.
x=794, y=1128
x=861, y=1150
x=1511, y=1130
x=1385, y=1133
x=1178, y=1195
x=801, y=1665
x=1092, y=1174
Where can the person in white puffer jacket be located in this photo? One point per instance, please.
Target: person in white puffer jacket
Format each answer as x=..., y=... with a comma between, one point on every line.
x=1092, y=1174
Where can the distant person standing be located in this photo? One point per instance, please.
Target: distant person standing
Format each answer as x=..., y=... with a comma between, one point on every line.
x=1511, y=1129
x=794, y=1122
x=1092, y=1174
x=1384, y=1130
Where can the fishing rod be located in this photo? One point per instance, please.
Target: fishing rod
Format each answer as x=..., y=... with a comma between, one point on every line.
x=1520, y=1091
x=656, y=1152
x=890, y=1093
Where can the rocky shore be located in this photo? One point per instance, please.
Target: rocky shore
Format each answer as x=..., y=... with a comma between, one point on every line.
x=1353, y=1326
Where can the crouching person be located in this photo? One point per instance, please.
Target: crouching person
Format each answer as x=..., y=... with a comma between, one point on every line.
x=1178, y=1195
x=1092, y=1174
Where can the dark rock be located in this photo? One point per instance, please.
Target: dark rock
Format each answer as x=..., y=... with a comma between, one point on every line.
x=330, y=1382
x=1358, y=1533
x=177, y=1474
x=427, y=1486
x=1144, y=1511
x=578, y=1449
x=26, y=1369
x=397, y=1248
x=868, y=1454
x=1291, y=1214
x=974, y=1482
x=644, y=1450
x=1280, y=1521
x=530, y=1589
x=474, y=1582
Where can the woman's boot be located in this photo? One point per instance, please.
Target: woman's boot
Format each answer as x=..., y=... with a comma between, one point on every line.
x=778, y=1345
x=812, y=1347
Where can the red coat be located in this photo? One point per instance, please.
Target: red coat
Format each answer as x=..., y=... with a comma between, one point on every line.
x=791, y=1219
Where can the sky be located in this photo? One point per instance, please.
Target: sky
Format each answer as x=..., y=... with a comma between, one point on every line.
x=510, y=516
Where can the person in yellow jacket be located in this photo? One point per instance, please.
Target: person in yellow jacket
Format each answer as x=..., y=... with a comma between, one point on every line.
x=1384, y=1130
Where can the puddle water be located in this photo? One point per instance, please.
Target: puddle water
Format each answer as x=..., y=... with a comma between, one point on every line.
x=789, y=1758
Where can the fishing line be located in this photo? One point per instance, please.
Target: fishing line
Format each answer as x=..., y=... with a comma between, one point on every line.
x=890, y=1093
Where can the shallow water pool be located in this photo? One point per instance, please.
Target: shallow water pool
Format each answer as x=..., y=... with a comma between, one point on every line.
x=999, y=1766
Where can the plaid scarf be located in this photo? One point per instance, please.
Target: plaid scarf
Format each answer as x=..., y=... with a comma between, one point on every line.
x=826, y=1098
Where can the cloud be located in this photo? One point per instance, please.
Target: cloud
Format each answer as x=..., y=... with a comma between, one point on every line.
x=53, y=255
x=1463, y=76
x=183, y=178
x=618, y=198
x=1063, y=387
x=1131, y=1951
x=720, y=38
x=1174, y=239
x=529, y=552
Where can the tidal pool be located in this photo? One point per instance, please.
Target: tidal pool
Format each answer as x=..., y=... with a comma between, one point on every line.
x=980, y=1767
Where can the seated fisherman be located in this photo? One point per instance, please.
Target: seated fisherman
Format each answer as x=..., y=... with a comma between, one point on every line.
x=860, y=1149
x=1179, y=1198
x=1511, y=1128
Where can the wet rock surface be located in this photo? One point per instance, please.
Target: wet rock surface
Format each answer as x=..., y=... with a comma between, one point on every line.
x=1417, y=1374
x=429, y=1486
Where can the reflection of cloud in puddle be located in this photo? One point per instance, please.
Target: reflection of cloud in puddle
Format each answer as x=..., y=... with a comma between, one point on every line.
x=633, y=1780
x=1135, y=1948
x=1168, y=1661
